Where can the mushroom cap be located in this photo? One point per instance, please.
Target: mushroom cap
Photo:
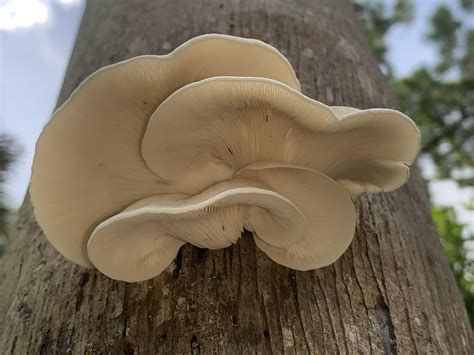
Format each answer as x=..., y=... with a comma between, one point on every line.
x=327, y=208
x=226, y=123
x=140, y=242
x=88, y=163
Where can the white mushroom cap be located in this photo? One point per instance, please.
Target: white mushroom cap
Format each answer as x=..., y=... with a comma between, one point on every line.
x=140, y=242
x=226, y=123
x=328, y=210
x=88, y=163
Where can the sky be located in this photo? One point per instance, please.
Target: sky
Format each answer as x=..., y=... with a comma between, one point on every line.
x=36, y=39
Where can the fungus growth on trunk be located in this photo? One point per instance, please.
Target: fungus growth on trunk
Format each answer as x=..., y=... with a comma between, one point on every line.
x=88, y=164
x=193, y=147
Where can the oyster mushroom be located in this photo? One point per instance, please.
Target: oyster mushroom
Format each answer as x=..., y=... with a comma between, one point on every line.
x=88, y=163
x=226, y=123
x=140, y=242
x=328, y=211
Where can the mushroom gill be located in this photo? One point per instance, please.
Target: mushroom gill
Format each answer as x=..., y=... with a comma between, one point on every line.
x=88, y=163
x=140, y=242
x=226, y=123
x=328, y=210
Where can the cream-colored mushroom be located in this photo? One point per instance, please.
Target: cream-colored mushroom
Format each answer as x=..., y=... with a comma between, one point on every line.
x=327, y=208
x=226, y=123
x=88, y=163
x=140, y=242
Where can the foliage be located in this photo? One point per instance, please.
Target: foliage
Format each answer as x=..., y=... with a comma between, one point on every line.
x=443, y=32
x=454, y=243
x=440, y=98
x=7, y=156
x=377, y=21
x=444, y=112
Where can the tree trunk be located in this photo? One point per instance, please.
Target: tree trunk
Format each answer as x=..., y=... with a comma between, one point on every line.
x=392, y=291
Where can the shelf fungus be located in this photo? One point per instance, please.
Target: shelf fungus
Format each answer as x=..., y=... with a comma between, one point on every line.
x=140, y=242
x=226, y=123
x=88, y=163
x=329, y=214
x=194, y=147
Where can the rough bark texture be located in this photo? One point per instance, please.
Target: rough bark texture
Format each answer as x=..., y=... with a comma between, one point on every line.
x=392, y=291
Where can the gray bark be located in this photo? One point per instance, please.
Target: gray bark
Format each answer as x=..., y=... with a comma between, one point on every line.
x=392, y=291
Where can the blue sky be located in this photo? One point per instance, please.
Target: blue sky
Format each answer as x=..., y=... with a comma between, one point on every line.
x=36, y=38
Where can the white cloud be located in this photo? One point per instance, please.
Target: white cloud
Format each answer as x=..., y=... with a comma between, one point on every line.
x=69, y=3
x=16, y=14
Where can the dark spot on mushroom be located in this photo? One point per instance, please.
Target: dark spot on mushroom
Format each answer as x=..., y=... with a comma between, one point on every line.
x=266, y=333
x=164, y=337
x=234, y=321
x=230, y=150
x=266, y=118
x=223, y=228
x=100, y=164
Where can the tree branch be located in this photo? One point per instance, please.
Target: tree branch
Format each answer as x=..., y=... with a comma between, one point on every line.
x=449, y=129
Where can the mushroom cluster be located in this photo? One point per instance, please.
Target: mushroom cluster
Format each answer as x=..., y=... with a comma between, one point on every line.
x=194, y=147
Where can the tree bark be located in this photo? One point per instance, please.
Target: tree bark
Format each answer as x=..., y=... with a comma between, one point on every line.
x=392, y=291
